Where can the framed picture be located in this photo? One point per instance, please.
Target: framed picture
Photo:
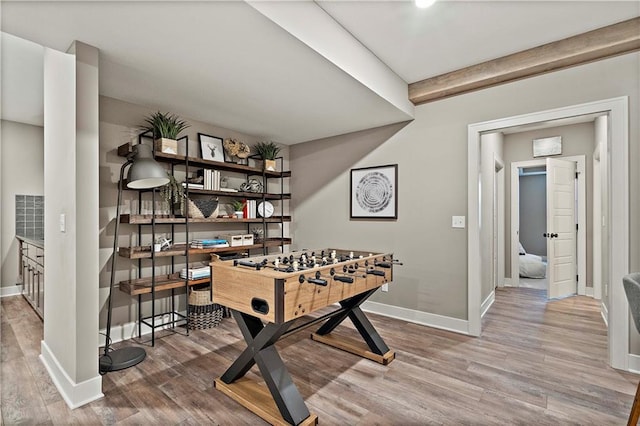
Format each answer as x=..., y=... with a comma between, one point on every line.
x=241, y=150
x=374, y=192
x=547, y=146
x=211, y=147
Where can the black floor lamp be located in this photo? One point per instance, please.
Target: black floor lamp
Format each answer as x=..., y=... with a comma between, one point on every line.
x=144, y=173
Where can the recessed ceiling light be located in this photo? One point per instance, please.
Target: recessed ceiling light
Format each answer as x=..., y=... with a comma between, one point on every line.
x=423, y=4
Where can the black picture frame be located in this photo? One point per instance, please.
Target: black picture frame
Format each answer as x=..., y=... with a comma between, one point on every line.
x=211, y=148
x=374, y=192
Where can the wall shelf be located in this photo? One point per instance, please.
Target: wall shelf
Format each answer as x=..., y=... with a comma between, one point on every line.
x=163, y=282
x=125, y=149
x=144, y=252
x=191, y=167
x=138, y=219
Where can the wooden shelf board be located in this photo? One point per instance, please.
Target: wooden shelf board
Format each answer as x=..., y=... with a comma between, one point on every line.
x=163, y=282
x=136, y=219
x=144, y=252
x=251, y=195
x=125, y=149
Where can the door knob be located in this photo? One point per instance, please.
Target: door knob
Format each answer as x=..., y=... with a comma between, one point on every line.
x=554, y=235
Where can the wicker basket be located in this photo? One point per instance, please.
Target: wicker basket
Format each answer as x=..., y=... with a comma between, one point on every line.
x=202, y=208
x=203, y=313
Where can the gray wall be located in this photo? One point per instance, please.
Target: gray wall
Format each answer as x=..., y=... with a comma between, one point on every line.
x=431, y=153
x=533, y=213
x=577, y=139
x=22, y=171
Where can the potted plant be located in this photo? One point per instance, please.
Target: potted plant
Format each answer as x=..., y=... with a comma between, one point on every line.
x=172, y=193
x=268, y=151
x=165, y=128
x=237, y=208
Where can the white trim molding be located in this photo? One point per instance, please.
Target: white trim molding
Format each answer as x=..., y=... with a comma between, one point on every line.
x=418, y=317
x=74, y=394
x=618, y=214
x=13, y=290
x=604, y=312
x=634, y=363
x=487, y=303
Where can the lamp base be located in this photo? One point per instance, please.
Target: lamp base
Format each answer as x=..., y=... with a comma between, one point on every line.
x=122, y=358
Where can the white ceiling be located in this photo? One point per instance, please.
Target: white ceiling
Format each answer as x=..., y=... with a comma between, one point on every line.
x=230, y=64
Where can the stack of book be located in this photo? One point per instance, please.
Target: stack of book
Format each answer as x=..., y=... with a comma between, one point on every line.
x=195, y=273
x=211, y=180
x=204, y=244
x=250, y=208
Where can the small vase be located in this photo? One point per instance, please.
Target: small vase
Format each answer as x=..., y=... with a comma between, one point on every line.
x=270, y=165
x=239, y=215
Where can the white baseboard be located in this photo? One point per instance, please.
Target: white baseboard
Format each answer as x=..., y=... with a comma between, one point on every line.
x=633, y=363
x=129, y=330
x=589, y=291
x=487, y=303
x=507, y=282
x=605, y=313
x=74, y=394
x=12, y=290
x=424, y=318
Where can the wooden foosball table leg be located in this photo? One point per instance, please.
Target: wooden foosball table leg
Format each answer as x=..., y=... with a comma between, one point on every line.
x=289, y=407
x=373, y=347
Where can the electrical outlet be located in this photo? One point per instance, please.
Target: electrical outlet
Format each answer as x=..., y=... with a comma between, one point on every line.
x=457, y=221
x=385, y=287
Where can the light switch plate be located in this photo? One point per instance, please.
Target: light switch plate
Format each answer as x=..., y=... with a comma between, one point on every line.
x=63, y=222
x=457, y=221
x=385, y=287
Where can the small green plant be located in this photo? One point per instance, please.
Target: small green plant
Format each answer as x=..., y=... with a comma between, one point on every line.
x=237, y=205
x=267, y=150
x=173, y=193
x=164, y=125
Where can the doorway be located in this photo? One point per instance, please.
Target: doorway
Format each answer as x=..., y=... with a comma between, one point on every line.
x=581, y=208
x=617, y=177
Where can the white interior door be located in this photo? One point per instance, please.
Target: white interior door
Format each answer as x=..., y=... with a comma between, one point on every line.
x=561, y=228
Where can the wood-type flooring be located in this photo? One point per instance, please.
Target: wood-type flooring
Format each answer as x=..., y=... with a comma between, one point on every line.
x=537, y=362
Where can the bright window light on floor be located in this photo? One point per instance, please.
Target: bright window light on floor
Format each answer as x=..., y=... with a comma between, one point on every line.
x=423, y=4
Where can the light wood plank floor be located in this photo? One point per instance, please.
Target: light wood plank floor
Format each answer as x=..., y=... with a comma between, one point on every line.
x=535, y=363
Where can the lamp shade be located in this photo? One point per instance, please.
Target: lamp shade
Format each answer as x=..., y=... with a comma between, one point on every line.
x=145, y=172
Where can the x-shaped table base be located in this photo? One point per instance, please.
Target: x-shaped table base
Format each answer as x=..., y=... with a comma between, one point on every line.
x=261, y=350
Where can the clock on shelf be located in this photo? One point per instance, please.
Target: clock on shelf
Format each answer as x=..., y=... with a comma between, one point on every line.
x=265, y=209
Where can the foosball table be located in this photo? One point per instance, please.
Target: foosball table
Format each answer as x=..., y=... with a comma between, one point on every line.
x=271, y=297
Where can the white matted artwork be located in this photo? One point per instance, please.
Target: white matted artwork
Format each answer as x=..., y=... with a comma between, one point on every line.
x=374, y=192
x=211, y=147
x=544, y=147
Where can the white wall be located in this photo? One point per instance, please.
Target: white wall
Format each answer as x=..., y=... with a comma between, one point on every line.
x=431, y=153
x=69, y=348
x=22, y=171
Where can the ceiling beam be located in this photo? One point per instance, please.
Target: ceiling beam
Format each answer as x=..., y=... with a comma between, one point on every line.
x=616, y=39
